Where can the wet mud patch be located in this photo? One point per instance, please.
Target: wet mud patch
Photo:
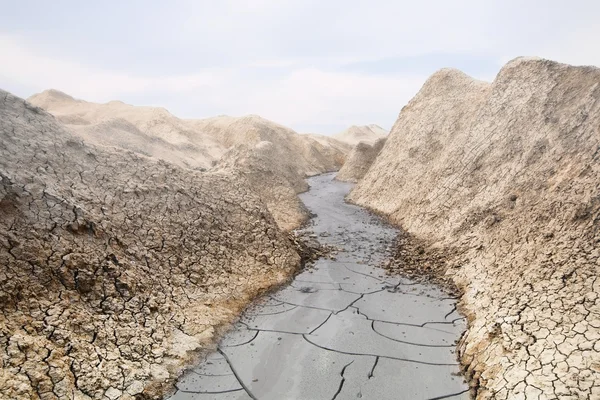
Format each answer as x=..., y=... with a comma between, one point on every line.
x=344, y=328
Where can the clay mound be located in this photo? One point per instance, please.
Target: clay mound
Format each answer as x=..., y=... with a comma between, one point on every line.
x=272, y=178
x=365, y=133
x=274, y=159
x=306, y=155
x=199, y=144
x=359, y=161
x=150, y=131
x=116, y=269
x=334, y=150
x=508, y=175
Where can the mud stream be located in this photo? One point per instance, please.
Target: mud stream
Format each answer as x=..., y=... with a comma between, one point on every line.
x=343, y=329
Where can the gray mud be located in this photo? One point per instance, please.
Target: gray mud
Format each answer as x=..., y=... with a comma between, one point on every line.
x=343, y=329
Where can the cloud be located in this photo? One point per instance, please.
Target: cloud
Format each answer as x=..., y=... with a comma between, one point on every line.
x=305, y=98
x=29, y=67
x=307, y=63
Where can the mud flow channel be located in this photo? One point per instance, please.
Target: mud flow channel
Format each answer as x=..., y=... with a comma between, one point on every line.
x=343, y=329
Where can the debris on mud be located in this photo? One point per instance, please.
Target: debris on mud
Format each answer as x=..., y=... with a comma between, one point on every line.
x=309, y=248
x=415, y=259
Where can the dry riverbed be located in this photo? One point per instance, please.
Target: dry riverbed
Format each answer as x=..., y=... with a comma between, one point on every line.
x=343, y=329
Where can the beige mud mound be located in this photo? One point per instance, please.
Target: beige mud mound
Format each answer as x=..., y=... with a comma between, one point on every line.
x=331, y=148
x=275, y=160
x=365, y=133
x=151, y=131
x=116, y=269
x=308, y=156
x=359, y=161
x=267, y=174
x=199, y=144
x=508, y=174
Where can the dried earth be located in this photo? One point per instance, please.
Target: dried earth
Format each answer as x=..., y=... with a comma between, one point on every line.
x=363, y=133
x=151, y=131
x=117, y=269
x=271, y=158
x=275, y=161
x=343, y=329
x=504, y=179
x=359, y=161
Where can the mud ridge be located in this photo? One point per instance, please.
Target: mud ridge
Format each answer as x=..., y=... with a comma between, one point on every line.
x=496, y=184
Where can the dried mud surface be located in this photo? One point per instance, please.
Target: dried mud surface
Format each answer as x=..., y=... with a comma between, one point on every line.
x=343, y=329
x=359, y=161
x=506, y=177
x=116, y=270
x=272, y=159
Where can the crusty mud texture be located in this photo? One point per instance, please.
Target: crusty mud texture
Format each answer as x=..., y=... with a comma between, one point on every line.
x=359, y=161
x=152, y=131
x=508, y=175
x=272, y=159
x=116, y=269
x=415, y=259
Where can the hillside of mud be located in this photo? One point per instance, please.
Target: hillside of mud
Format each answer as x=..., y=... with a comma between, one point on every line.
x=272, y=159
x=361, y=133
x=151, y=131
x=116, y=269
x=359, y=161
x=505, y=178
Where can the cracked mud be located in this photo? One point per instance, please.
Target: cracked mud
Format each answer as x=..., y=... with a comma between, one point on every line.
x=115, y=269
x=343, y=329
x=502, y=179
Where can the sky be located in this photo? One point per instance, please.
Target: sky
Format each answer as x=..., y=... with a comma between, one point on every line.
x=316, y=66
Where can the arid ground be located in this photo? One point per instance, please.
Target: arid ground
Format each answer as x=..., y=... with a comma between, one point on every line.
x=144, y=256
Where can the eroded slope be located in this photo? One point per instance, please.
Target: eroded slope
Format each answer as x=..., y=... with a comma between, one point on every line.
x=361, y=133
x=506, y=176
x=200, y=144
x=271, y=178
x=338, y=150
x=305, y=155
x=116, y=269
x=275, y=161
x=151, y=131
x=359, y=161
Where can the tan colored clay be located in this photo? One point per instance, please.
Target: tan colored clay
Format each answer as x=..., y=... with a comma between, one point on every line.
x=117, y=269
x=359, y=161
x=507, y=175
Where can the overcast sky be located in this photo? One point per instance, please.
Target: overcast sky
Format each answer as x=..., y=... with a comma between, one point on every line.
x=317, y=66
